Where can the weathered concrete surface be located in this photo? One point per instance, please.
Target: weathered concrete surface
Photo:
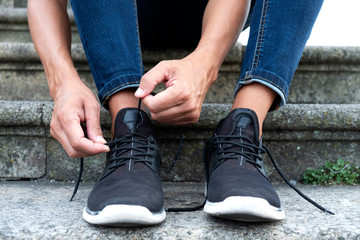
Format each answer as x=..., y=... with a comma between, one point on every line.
x=22, y=141
x=325, y=75
x=299, y=136
x=14, y=25
x=6, y=3
x=42, y=210
x=22, y=76
x=22, y=157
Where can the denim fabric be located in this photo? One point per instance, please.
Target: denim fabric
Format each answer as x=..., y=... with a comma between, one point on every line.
x=278, y=34
x=108, y=31
x=111, y=31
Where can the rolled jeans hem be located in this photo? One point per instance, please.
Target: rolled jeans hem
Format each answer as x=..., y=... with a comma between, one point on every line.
x=117, y=84
x=278, y=85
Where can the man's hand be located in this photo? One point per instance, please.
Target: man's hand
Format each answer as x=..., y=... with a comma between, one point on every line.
x=187, y=82
x=76, y=104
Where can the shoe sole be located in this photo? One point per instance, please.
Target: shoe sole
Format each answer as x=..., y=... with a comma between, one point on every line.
x=246, y=209
x=124, y=216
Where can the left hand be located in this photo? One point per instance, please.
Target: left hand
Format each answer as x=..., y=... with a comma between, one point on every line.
x=187, y=82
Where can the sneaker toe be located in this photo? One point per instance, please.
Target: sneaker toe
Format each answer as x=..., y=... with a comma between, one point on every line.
x=240, y=181
x=143, y=188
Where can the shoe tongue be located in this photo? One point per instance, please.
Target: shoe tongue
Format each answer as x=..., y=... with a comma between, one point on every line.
x=132, y=120
x=240, y=122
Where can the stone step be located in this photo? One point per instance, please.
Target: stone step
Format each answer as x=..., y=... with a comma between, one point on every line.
x=14, y=25
x=13, y=3
x=42, y=210
x=298, y=135
x=325, y=74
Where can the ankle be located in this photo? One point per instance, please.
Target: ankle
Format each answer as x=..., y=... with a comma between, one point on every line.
x=121, y=100
x=257, y=97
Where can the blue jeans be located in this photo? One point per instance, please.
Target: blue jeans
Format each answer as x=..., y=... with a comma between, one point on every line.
x=111, y=32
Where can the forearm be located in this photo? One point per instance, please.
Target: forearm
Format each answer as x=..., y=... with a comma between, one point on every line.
x=222, y=23
x=50, y=30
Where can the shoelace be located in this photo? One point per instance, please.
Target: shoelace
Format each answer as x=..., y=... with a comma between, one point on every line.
x=249, y=150
x=125, y=144
x=117, y=150
x=115, y=156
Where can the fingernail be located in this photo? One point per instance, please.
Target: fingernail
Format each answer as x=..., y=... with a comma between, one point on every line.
x=139, y=92
x=107, y=149
x=100, y=139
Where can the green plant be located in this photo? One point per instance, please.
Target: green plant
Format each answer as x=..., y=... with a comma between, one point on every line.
x=340, y=172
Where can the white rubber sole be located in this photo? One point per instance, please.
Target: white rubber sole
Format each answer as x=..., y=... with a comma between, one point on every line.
x=247, y=209
x=124, y=216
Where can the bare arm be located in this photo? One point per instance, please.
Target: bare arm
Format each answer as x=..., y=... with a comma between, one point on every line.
x=188, y=80
x=74, y=103
x=223, y=20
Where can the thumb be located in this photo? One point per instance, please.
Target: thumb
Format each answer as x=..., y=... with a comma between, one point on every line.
x=93, y=128
x=150, y=79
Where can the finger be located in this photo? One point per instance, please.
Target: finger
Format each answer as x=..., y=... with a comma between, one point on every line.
x=61, y=137
x=75, y=135
x=58, y=133
x=165, y=100
x=174, y=113
x=150, y=79
x=93, y=129
x=178, y=115
x=177, y=120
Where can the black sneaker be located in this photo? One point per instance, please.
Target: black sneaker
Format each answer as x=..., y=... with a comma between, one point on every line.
x=129, y=191
x=237, y=185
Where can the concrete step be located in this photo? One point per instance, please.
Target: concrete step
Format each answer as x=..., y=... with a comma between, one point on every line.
x=13, y=3
x=41, y=210
x=14, y=25
x=325, y=74
x=299, y=136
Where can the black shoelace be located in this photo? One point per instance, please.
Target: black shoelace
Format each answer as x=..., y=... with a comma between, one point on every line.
x=125, y=144
x=134, y=142
x=249, y=150
x=117, y=148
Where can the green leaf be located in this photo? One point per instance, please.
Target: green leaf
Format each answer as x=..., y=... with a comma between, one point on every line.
x=328, y=164
x=330, y=174
x=340, y=163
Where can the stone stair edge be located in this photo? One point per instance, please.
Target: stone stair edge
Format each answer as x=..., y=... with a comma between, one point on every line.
x=19, y=15
x=290, y=117
x=312, y=54
x=25, y=52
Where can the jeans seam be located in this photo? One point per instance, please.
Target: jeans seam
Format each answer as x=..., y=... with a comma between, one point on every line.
x=260, y=37
x=138, y=38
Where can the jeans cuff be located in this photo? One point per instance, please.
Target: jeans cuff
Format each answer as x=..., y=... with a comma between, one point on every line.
x=279, y=87
x=117, y=84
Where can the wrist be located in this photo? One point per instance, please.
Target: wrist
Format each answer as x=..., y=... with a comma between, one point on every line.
x=207, y=60
x=60, y=77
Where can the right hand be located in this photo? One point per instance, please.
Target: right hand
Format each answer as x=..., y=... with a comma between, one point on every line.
x=75, y=104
